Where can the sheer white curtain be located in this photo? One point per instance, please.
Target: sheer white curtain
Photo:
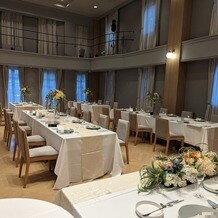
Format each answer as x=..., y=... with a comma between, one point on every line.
x=82, y=41
x=150, y=23
x=109, y=91
x=213, y=64
x=47, y=36
x=110, y=37
x=145, y=85
x=11, y=30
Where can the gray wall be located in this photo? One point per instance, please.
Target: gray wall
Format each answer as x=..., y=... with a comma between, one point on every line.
x=201, y=16
x=196, y=87
x=130, y=20
x=159, y=79
x=126, y=87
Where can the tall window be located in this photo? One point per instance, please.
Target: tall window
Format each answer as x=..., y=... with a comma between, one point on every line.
x=81, y=85
x=49, y=83
x=214, y=99
x=150, y=19
x=13, y=85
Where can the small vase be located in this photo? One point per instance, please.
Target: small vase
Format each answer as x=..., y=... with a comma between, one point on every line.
x=22, y=98
x=56, y=109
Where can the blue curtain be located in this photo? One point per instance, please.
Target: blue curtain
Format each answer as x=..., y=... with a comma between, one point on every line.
x=13, y=85
x=214, y=99
x=49, y=83
x=81, y=85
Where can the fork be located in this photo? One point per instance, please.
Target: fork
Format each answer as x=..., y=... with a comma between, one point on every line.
x=169, y=204
x=212, y=204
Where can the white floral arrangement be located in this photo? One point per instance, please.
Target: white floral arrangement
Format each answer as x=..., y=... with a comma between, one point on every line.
x=179, y=170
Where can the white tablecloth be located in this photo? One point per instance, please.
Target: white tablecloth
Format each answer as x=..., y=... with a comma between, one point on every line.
x=195, y=133
x=122, y=204
x=83, y=155
x=69, y=196
x=30, y=208
x=95, y=110
x=17, y=108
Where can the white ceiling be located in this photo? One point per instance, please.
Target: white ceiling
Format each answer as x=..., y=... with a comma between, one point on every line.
x=83, y=7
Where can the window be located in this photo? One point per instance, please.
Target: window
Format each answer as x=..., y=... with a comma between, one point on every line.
x=214, y=99
x=149, y=19
x=80, y=87
x=13, y=85
x=49, y=83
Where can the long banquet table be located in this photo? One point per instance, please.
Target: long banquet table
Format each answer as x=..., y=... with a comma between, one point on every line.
x=117, y=197
x=17, y=108
x=84, y=154
x=195, y=133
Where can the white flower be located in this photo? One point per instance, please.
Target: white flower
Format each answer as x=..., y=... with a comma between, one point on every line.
x=190, y=173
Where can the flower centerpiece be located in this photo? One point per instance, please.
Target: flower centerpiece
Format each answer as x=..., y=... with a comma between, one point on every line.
x=58, y=96
x=88, y=92
x=154, y=98
x=179, y=170
x=25, y=92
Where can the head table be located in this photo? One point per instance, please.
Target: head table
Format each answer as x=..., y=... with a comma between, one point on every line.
x=84, y=154
x=117, y=198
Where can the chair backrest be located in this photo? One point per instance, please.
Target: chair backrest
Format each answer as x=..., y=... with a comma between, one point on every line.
x=9, y=121
x=163, y=110
x=117, y=116
x=73, y=112
x=79, y=108
x=187, y=114
x=123, y=129
x=87, y=116
x=162, y=128
x=1, y=113
x=213, y=139
x=115, y=105
x=107, y=102
x=133, y=121
x=214, y=118
x=99, y=101
x=208, y=113
x=104, y=121
x=106, y=111
x=148, y=109
x=24, y=146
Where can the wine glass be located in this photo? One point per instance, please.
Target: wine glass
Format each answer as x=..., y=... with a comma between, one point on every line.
x=200, y=179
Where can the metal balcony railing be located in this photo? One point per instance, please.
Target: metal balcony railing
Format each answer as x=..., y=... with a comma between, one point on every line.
x=106, y=44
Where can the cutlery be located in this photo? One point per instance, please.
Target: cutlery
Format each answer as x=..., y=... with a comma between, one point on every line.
x=212, y=204
x=169, y=204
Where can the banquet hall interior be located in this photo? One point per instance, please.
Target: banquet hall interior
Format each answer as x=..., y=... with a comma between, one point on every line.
x=108, y=108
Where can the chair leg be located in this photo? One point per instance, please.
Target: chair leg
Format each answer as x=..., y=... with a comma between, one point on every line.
x=127, y=153
x=136, y=137
x=167, y=146
x=15, y=151
x=155, y=141
x=49, y=162
x=26, y=174
x=21, y=166
x=18, y=157
x=151, y=137
x=9, y=141
x=4, y=137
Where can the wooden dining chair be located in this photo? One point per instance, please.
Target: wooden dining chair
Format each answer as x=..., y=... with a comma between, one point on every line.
x=117, y=116
x=99, y=101
x=2, y=121
x=106, y=111
x=104, y=121
x=162, y=131
x=107, y=102
x=33, y=140
x=5, y=111
x=29, y=155
x=135, y=127
x=123, y=130
x=87, y=116
x=73, y=112
x=79, y=110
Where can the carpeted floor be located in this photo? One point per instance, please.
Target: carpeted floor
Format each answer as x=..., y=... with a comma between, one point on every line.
x=41, y=180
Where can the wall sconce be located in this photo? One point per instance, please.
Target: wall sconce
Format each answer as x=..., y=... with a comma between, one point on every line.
x=171, y=54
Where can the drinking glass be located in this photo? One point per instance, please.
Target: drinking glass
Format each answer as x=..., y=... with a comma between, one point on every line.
x=200, y=179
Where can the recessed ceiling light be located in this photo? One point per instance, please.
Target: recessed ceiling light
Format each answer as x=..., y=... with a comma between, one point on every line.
x=59, y=5
x=95, y=6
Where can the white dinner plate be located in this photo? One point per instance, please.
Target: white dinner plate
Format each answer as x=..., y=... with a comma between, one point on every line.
x=194, y=210
x=143, y=207
x=211, y=185
x=93, y=127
